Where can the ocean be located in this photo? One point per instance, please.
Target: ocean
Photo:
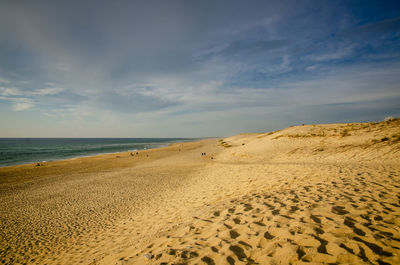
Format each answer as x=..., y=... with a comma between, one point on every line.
x=16, y=151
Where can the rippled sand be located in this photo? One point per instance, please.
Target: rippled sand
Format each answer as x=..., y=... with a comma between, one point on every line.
x=307, y=194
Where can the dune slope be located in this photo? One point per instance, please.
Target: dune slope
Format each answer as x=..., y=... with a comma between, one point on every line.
x=307, y=194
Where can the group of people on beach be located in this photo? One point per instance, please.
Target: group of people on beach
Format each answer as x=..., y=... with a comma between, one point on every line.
x=137, y=153
x=204, y=154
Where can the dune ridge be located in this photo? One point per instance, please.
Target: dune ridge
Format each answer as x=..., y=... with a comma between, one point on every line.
x=311, y=194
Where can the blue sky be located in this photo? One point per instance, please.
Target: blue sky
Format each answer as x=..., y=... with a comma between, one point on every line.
x=194, y=68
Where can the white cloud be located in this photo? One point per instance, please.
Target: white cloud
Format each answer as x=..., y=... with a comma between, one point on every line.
x=4, y=81
x=57, y=112
x=12, y=95
x=48, y=91
x=283, y=67
x=312, y=67
x=9, y=91
x=347, y=85
x=334, y=54
x=22, y=106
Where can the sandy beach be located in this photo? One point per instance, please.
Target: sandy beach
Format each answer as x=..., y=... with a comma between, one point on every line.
x=312, y=194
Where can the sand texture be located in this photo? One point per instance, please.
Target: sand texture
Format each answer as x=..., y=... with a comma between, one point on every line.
x=313, y=194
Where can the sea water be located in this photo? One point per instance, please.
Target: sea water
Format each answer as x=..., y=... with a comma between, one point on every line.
x=15, y=151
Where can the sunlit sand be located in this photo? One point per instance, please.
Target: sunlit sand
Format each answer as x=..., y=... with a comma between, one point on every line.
x=312, y=193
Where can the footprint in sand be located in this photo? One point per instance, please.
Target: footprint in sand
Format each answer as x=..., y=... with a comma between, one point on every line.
x=318, y=230
x=247, y=207
x=208, y=260
x=233, y=234
x=236, y=220
x=300, y=253
x=275, y=212
x=259, y=223
x=351, y=223
x=230, y=260
x=239, y=252
x=374, y=247
x=322, y=247
x=268, y=236
x=340, y=210
x=315, y=219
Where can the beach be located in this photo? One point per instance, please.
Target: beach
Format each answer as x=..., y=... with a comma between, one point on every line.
x=311, y=194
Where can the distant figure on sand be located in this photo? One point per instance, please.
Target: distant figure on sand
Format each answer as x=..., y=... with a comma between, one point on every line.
x=131, y=154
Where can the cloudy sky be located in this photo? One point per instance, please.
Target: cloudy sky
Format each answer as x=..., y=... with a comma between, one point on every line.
x=194, y=68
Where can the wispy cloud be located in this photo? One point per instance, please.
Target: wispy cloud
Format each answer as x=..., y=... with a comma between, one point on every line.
x=22, y=106
x=48, y=91
x=195, y=69
x=385, y=26
x=312, y=67
x=10, y=91
x=249, y=47
x=17, y=103
x=4, y=81
x=336, y=54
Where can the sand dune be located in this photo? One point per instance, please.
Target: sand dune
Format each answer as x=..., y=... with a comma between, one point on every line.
x=311, y=194
x=300, y=215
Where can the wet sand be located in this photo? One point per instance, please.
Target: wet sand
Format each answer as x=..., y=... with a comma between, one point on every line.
x=312, y=194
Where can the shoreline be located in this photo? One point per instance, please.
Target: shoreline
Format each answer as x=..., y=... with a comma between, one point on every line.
x=99, y=154
x=87, y=198
x=318, y=194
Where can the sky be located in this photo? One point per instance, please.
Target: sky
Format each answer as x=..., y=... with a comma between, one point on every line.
x=194, y=68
